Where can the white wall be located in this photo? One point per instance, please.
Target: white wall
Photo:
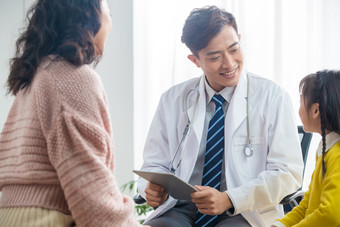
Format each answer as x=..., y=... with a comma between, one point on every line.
x=331, y=58
x=116, y=70
x=11, y=17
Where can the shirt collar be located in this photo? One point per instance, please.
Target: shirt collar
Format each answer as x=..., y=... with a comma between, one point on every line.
x=331, y=139
x=226, y=93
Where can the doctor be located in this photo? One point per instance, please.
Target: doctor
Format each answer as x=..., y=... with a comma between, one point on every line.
x=261, y=157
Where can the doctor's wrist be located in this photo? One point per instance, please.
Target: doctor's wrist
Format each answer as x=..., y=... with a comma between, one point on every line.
x=230, y=207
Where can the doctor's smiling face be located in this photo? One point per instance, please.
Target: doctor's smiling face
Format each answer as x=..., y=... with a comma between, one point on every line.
x=222, y=59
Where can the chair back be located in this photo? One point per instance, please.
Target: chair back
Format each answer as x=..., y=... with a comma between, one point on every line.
x=305, y=138
x=294, y=199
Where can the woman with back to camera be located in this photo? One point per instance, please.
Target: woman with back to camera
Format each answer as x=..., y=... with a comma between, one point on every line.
x=56, y=149
x=320, y=113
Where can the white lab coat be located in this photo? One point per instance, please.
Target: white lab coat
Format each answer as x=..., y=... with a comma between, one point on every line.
x=256, y=184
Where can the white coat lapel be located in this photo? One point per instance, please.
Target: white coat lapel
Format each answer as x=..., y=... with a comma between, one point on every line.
x=198, y=121
x=194, y=138
x=237, y=110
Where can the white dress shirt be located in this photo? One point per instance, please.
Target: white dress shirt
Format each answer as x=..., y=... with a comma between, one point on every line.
x=226, y=93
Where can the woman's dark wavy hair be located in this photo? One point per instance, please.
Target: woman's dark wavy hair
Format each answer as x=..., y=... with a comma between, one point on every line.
x=203, y=24
x=65, y=28
x=323, y=88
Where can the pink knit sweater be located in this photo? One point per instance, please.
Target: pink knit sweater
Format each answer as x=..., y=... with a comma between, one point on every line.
x=56, y=148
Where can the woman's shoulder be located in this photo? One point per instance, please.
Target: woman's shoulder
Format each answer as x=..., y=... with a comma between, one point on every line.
x=65, y=83
x=61, y=70
x=66, y=76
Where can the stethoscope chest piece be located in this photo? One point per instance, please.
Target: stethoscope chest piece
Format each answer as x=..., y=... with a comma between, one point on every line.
x=249, y=150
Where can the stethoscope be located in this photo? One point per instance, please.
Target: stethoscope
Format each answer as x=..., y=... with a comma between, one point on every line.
x=248, y=151
x=188, y=125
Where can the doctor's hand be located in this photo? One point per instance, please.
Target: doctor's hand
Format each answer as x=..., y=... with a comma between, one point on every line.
x=155, y=195
x=210, y=201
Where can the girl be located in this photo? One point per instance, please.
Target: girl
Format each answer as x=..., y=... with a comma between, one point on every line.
x=56, y=151
x=320, y=113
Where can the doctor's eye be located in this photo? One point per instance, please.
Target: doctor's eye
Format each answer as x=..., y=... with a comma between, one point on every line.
x=234, y=50
x=215, y=58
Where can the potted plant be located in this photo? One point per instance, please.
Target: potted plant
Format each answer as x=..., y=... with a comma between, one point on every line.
x=141, y=209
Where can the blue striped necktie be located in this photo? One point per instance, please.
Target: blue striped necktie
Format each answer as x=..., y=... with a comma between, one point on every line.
x=213, y=158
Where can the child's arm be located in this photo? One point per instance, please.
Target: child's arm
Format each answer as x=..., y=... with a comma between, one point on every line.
x=327, y=213
x=297, y=214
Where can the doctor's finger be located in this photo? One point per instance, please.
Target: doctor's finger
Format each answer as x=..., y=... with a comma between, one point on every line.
x=201, y=202
x=204, y=207
x=208, y=208
x=155, y=187
x=208, y=211
x=201, y=194
x=154, y=198
x=152, y=203
x=155, y=194
x=151, y=193
x=155, y=201
x=198, y=195
x=154, y=190
x=202, y=188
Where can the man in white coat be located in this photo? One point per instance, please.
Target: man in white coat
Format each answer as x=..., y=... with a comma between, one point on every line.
x=257, y=113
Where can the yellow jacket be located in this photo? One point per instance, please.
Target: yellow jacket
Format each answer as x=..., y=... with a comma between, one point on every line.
x=321, y=203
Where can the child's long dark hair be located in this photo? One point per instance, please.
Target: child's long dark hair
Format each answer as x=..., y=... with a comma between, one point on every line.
x=323, y=88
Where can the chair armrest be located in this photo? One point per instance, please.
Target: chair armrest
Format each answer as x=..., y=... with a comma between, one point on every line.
x=293, y=199
x=139, y=199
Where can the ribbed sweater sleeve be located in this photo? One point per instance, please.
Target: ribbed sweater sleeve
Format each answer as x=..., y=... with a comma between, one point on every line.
x=74, y=117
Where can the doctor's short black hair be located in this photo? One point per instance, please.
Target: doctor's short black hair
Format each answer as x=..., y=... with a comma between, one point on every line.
x=203, y=24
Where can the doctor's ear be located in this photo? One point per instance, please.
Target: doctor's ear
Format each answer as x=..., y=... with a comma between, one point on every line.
x=194, y=59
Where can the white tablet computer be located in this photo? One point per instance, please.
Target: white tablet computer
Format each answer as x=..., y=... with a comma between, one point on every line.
x=174, y=186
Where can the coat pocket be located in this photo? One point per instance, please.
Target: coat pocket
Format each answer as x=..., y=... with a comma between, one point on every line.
x=249, y=167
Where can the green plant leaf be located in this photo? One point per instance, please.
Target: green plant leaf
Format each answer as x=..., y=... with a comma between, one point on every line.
x=141, y=209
